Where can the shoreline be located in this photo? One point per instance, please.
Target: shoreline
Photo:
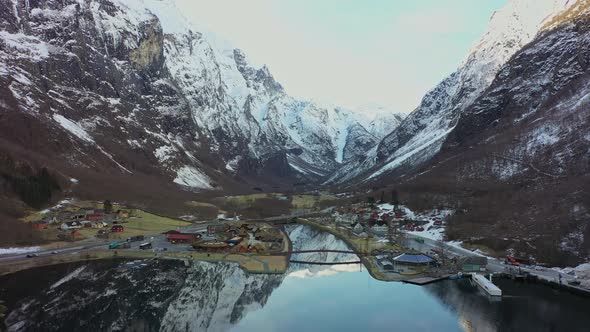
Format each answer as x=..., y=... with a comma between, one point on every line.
x=257, y=264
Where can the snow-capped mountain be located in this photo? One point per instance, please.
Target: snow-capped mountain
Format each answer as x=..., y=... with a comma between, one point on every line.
x=420, y=136
x=378, y=120
x=133, y=87
x=529, y=132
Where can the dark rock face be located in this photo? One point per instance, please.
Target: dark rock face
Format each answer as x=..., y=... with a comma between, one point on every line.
x=98, y=297
x=523, y=145
x=166, y=296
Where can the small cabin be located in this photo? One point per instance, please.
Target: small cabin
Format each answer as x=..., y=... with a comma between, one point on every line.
x=41, y=224
x=117, y=229
x=71, y=225
x=94, y=217
x=474, y=264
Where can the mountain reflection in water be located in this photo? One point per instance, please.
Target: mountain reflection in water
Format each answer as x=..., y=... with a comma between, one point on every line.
x=220, y=296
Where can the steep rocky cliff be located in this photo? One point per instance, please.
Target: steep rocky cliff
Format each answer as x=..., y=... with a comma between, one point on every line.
x=131, y=88
x=420, y=135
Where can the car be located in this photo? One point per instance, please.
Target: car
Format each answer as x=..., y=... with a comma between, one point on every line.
x=539, y=268
x=54, y=252
x=32, y=255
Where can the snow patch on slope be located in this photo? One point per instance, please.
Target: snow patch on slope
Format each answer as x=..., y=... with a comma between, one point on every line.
x=73, y=128
x=191, y=177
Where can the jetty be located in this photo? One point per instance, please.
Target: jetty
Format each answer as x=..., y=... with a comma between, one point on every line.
x=486, y=284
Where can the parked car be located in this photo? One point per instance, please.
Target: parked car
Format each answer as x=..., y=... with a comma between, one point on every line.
x=145, y=246
x=32, y=255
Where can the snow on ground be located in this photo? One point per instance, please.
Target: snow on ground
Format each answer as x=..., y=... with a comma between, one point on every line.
x=192, y=177
x=69, y=277
x=436, y=234
x=422, y=141
x=58, y=205
x=35, y=48
x=430, y=230
x=581, y=273
x=73, y=127
x=164, y=153
x=16, y=251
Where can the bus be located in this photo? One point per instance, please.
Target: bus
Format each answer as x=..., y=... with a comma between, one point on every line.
x=119, y=245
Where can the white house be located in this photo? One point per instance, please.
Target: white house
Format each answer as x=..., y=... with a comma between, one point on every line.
x=71, y=225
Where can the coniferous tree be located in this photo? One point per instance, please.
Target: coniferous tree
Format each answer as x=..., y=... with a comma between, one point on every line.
x=107, y=206
x=394, y=197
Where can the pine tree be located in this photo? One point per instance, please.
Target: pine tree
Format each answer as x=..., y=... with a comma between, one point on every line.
x=394, y=197
x=107, y=206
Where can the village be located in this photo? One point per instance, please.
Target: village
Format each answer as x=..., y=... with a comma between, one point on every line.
x=393, y=242
x=390, y=239
x=118, y=231
x=382, y=235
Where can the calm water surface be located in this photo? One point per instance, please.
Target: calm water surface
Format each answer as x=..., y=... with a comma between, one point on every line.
x=168, y=296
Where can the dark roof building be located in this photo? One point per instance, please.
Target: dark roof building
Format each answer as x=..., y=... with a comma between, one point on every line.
x=413, y=259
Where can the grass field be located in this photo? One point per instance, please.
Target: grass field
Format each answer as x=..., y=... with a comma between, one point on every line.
x=301, y=201
x=140, y=222
x=143, y=223
x=308, y=201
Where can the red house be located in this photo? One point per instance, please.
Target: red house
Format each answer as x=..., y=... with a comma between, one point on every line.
x=117, y=229
x=39, y=224
x=94, y=217
x=178, y=237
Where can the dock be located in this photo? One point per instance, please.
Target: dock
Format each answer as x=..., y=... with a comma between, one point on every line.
x=424, y=280
x=486, y=284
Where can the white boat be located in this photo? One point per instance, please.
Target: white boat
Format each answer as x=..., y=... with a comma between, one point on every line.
x=486, y=284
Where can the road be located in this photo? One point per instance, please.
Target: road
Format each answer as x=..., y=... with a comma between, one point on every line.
x=494, y=265
x=158, y=241
x=73, y=249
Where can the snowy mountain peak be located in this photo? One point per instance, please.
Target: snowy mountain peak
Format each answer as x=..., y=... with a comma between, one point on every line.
x=422, y=133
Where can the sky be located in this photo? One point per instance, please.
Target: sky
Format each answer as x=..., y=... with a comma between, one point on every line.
x=352, y=53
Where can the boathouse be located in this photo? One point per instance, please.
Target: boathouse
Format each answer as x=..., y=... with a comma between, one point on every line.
x=474, y=263
x=412, y=263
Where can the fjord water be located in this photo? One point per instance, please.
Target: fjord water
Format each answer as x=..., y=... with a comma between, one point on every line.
x=167, y=296
x=353, y=301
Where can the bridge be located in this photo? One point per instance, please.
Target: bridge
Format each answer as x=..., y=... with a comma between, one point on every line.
x=325, y=263
x=325, y=250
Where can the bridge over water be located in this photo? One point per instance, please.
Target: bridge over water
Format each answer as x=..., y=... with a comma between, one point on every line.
x=327, y=251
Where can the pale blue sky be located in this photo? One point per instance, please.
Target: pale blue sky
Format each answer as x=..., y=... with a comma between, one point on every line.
x=351, y=52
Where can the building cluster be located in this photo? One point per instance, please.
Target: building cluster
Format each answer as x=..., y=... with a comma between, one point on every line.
x=69, y=218
x=244, y=238
x=381, y=220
